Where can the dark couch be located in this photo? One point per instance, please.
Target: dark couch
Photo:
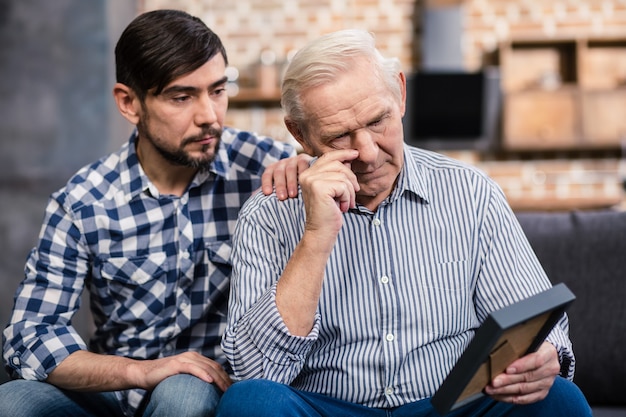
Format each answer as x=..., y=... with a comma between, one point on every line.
x=586, y=250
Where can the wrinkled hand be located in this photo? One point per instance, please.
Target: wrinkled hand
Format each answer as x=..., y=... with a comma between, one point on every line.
x=151, y=372
x=283, y=175
x=528, y=379
x=329, y=189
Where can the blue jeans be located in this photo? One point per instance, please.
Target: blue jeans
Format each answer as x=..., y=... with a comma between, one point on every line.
x=262, y=398
x=179, y=396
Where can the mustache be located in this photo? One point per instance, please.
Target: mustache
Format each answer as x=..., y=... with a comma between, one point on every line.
x=206, y=131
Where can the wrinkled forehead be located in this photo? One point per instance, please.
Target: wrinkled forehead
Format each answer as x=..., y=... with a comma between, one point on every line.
x=351, y=100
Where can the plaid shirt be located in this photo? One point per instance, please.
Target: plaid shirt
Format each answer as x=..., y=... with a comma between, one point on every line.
x=156, y=266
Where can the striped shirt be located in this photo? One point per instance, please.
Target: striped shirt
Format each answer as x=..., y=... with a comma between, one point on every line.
x=156, y=266
x=404, y=291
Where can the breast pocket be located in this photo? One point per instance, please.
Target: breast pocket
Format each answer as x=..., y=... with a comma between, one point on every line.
x=217, y=268
x=134, y=270
x=448, y=289
x=218, y=252
x=124, y=280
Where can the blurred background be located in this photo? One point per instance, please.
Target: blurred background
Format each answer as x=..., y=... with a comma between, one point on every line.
x=531, y=91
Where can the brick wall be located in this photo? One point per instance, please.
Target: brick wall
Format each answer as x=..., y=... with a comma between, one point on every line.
x=250, y=27
x=489, y=22
x=557, y=183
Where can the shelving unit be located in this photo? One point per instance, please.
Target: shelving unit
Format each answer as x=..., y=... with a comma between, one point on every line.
x=254, y=97
x=563, y=94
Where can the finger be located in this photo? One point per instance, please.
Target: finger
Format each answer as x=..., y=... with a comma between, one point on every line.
x=291, y=175
x=521, y=399
x=220, y=378
x=345, y=158
x=207, y=370
x=274, y=179
x=281, y=181
x=519, y=384
x=267, y=180
x=343, y=155
x=347, y=198
x=329, y=168
x=521, y=393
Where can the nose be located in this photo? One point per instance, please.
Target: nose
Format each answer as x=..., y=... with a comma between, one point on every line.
x=364, y=142
x=205, y=112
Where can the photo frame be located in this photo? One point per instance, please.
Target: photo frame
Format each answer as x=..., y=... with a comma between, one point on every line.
x=506, y=335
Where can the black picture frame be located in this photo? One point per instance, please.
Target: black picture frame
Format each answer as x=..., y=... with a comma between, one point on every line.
x=506, y=335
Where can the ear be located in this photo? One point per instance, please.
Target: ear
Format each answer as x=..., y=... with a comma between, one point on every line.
x=402, y=80
x=297, y=134
x=127, y=102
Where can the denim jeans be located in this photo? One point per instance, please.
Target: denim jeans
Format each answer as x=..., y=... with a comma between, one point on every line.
x=261, y=398
x=179, y=396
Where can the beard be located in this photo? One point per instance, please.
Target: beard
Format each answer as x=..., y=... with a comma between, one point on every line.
x=179, y=156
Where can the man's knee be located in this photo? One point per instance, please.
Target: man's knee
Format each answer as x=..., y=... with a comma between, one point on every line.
x=183, y=394
x=570, y=397
x=25, y=398
x=564, y=399
x=255, y=397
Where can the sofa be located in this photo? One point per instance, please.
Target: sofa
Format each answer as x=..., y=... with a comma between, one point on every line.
x=586, y=250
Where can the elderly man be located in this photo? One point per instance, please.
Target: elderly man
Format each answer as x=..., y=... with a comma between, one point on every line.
x=357, y=297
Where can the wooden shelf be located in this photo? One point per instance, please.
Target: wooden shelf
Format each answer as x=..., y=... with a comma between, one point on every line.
x=562, y=94
x=255, y=97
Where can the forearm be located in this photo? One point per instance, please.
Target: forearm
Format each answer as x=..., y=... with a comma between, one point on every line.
x=299, y=287
x=87, y=371
x=258, y=341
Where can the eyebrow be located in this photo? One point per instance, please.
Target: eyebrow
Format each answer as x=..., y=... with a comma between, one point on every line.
x=188, y=89
x=331, y=135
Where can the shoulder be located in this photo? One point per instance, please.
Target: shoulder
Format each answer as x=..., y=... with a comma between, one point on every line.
x=261, y=208
x=437, y=165
x=252, y=152
x=451, y=184
x=97, y=181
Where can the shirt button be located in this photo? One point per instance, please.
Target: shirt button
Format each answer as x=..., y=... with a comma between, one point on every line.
x=389, y=337
x=384, y=279
x=388, y=391
x=15, y=361
x=376, y=222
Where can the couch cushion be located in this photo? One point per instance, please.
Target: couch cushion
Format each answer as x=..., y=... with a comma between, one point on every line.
x=587, y=251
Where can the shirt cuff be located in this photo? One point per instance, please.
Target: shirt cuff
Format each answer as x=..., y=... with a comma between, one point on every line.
x=267, y=330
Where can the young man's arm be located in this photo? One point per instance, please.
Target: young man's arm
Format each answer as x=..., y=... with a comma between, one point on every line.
x=86, y=371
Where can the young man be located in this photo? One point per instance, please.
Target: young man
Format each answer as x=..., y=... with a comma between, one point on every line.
x=146, y=231
x=358, y=297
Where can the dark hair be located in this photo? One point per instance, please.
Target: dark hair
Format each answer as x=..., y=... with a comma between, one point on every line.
x=159, y=46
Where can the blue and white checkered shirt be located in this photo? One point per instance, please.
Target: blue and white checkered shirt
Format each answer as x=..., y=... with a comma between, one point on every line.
x=404, y=291
x=156, y=266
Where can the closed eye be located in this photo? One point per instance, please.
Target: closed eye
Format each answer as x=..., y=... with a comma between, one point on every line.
x=219, y=91
x=181, y=99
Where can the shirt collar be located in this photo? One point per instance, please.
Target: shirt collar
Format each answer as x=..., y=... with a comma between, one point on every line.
x=412, y=178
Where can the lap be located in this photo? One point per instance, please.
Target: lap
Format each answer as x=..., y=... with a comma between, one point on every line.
x=262, y=398
x=178, y=395
x=21, y=398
